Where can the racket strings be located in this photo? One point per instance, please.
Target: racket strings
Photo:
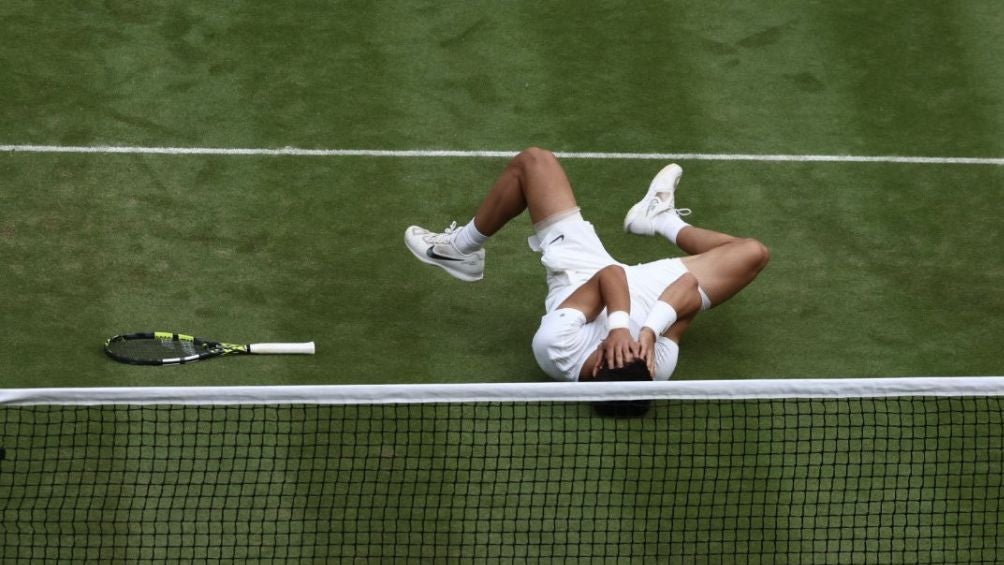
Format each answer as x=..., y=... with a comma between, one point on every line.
x=156, y=349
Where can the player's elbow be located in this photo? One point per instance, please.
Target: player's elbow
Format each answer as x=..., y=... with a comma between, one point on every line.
x=689, y=300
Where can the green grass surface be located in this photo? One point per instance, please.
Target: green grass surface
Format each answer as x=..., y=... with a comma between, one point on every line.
x=878, y=269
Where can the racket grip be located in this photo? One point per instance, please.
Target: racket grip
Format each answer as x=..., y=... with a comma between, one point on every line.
x=278, y=348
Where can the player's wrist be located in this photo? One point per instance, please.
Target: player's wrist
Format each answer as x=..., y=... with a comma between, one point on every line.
x=660, y=318
x=618, y=320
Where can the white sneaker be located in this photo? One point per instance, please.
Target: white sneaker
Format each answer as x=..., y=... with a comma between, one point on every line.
x=438, y=249
x=660, y=199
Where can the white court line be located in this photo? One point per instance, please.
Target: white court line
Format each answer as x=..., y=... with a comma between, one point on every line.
x=422, y=153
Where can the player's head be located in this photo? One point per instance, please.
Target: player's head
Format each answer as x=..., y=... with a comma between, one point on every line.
x=635, y=371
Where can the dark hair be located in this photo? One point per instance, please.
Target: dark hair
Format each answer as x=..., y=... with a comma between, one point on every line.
x=635, y=371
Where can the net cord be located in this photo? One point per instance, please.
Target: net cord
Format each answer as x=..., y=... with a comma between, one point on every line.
x=510, y=392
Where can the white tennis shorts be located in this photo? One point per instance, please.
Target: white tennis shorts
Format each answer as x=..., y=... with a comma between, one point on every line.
x=572, y=253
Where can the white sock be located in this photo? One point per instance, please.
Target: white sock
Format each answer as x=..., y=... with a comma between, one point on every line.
x=469, y=239
x=668, y=225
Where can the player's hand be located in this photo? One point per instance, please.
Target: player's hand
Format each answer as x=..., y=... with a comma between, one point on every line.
x=646, y=349
x=617, y=350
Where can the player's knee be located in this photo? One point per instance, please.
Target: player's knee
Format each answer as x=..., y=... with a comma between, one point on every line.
x=535, y=157
x=757, y=254
x=613, y=269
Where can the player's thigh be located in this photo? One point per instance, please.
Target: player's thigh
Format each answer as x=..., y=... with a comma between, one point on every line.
x=546, y=186
x=725, y=270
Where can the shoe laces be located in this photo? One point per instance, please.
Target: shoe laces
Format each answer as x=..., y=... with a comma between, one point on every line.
x=445, y=237
x=657, y=206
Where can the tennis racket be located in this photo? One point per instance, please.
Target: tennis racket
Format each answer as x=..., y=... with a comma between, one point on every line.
x=166, y=348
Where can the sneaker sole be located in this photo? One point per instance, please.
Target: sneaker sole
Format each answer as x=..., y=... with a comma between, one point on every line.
x=632, y=213
x=631, y=216
x=453, y=273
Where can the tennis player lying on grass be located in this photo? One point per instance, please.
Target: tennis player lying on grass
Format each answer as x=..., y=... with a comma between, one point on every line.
x=602, y=316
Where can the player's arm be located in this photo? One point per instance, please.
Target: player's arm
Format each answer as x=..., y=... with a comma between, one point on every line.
x=681, y=300
x=608, y=289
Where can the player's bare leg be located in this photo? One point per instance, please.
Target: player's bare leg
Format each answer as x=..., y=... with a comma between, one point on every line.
x=723, y=264
x=532, y=180
x=694, y=240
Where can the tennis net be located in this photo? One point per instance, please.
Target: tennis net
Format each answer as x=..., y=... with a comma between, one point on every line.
x=765, y=471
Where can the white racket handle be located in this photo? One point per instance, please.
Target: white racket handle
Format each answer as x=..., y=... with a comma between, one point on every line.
x=278, y=348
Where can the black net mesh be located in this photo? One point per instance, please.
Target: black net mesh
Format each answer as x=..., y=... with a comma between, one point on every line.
x=894, y=480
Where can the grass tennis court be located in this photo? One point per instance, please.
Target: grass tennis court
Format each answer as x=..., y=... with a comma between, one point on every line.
x=878, y=269
x=867, y=278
